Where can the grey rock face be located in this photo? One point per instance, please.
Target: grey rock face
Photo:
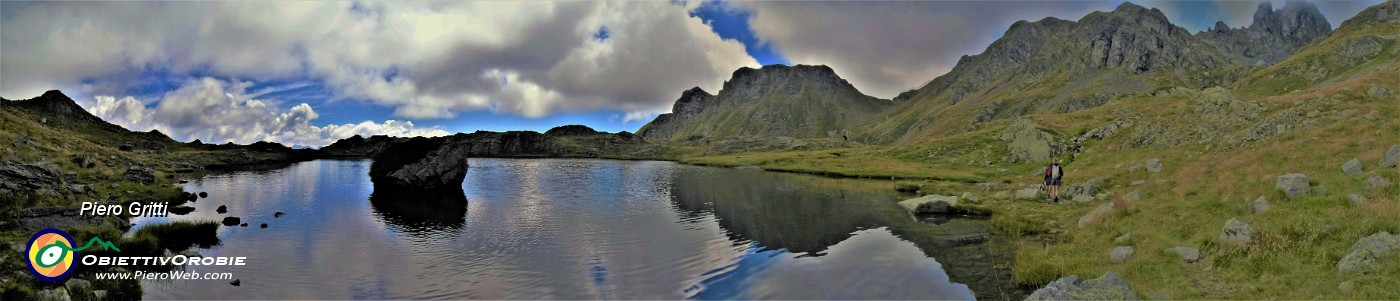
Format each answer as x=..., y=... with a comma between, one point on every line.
x=1377, y=182
x=1133, y=196
x=969, y=197
x=1391, y=158
x=1364, y=253
x=1293, y=185
x=931, y=204
x=1026, y=143
x=139, y=175
x=21, y=178
x=1028, y=194
x=1352, y=168
x=691, y=104
x=1259, y=205
x=1188, y=254
x=1108, y=287
x=421, y=164
x=1153, y=165
x=986, y=113
x=1120, y=254
x=53, y=294
x=1236, y=233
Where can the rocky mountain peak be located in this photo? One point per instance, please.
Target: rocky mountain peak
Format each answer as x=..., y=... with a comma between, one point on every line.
x=53, y=102
x=1274, y=35
x=1297, y=20
x=789, y=79
x=571, y=130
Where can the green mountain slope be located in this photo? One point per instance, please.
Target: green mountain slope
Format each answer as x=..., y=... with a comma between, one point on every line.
x=1059, y=66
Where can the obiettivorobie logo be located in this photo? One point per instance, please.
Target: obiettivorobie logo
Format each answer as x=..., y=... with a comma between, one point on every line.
x=51, y=253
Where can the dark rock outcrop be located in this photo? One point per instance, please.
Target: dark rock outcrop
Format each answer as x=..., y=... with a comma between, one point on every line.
x=29, y=178
x=421, y=164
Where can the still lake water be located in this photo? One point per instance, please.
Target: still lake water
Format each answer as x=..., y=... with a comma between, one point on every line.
x=582, y=229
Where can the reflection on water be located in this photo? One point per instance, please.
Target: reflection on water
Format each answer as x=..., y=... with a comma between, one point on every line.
x=580, y=229
x=417, y=213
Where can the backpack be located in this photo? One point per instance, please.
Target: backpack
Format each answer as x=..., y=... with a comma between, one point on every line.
x=1056, y=173
x=1049, y=171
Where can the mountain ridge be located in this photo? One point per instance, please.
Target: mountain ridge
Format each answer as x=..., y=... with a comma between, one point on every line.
x=802, y=101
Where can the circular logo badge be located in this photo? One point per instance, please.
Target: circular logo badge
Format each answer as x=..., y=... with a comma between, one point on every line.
x=50, y=255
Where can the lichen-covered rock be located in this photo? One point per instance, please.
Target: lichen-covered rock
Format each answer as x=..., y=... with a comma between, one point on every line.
x=139, y=175
x=1293, y=185
x=421, y=164
x=1028, y=194
x=1120, y=254
x=1188, y=254
x=1153, y=165
x=1352, y=168
x=1108, y=287
x=1259, y=205
x=1377, y=182
x=1365, y=252
x=1236, y=233
x=931, y=204
x=1392, y=156
x=1026, y=143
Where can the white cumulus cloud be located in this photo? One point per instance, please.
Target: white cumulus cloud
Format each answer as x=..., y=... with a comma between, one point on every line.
x=423, y=59
x=217, y=111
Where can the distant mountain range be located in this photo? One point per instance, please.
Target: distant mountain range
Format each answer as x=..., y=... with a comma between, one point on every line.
x=1046, y=66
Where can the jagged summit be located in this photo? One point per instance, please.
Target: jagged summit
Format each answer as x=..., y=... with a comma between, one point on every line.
x=1057, y=66
x=54, y=102
x=1273, y=35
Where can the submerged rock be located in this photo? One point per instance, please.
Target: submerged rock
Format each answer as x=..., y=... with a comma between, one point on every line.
x=420, y=164
x=222, y=209
x=231, y=221
x=1108, y=287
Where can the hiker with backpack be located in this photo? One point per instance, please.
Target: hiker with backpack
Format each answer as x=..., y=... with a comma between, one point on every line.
x=1053, y=176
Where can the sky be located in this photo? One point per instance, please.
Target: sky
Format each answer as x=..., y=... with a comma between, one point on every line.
x=308, y=73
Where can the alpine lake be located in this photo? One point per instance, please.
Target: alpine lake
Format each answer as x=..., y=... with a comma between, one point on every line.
x=584, y=229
